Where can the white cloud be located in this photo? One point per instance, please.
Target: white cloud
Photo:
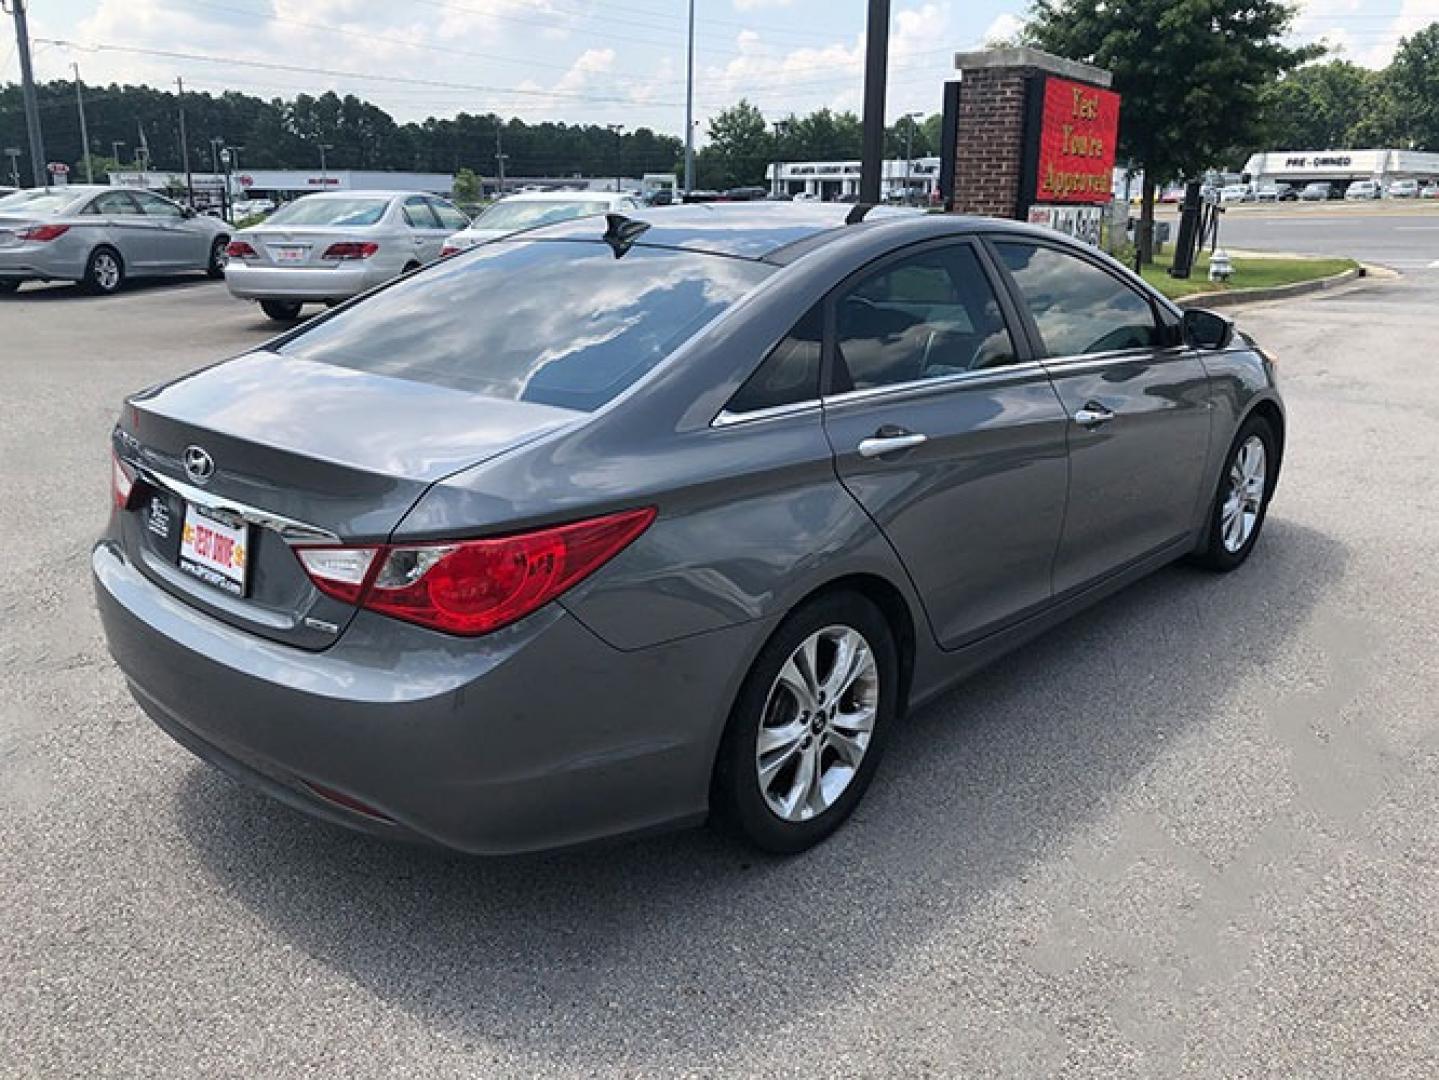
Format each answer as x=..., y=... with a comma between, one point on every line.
x=1003, y=28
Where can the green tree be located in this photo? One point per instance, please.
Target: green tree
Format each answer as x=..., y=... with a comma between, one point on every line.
x=1319, y=106
x=1411, y=90
x=467, y=186
x=1192, y=73
x=740, y=146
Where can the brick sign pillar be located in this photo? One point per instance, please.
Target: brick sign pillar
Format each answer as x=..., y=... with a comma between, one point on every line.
x=1004, y=147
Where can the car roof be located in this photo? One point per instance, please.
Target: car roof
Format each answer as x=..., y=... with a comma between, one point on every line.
x=367, y=193
x=750, y=230
x=563, y=196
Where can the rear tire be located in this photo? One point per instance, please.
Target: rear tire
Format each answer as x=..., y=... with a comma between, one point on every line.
x=822, y=693
x=1241, y=502
x=281, y=310
x=216, y=267
x=8, y=285
x=104, y=272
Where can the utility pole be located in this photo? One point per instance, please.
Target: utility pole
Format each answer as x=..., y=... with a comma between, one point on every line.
x=908, y=153
x=500, y=158
x=876, y=70
x=619, y=144
x=27, y=82
x=84, y=131
x=185, y=143
x=690, y=106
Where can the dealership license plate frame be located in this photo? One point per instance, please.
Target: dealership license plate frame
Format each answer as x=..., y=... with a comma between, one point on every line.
x=286, y=254
x=198, y=560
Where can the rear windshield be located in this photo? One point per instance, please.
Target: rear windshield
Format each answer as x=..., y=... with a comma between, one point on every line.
x=560, y=323
x=527, y=214
x=37, y=201
x=330, y=212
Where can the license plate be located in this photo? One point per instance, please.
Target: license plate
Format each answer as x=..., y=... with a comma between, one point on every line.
x=214, y=551
x=295, y=253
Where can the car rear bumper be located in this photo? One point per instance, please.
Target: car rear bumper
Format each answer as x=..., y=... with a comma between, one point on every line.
x=30, y=263
x=307, y=283
x=538, y=736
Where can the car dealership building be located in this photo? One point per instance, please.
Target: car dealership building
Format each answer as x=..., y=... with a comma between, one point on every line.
x=1342, y=167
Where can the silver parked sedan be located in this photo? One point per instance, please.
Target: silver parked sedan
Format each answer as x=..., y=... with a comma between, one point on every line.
x=102, y=235
x=622, y=522
x=331, y=246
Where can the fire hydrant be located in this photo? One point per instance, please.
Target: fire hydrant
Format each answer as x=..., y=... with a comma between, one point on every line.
x=1220, y=268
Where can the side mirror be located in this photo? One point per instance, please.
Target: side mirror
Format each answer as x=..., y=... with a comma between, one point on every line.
x=1206, y=330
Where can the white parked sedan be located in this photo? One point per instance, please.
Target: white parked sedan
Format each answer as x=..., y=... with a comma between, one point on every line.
x=331, y=246
x=531, y=208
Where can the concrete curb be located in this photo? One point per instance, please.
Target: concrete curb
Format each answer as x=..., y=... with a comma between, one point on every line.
x=1276, y=292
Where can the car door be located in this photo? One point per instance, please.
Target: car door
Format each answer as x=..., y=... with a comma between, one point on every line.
x=180, y=243
x=452, y=220
x=1137, y=400
x=424, y=228
x=947, y=433
x=129, y=229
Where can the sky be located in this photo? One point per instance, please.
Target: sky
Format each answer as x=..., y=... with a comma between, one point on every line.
x=582, y=61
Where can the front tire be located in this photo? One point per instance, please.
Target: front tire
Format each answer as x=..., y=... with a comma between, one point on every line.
x=104, y=272
x=216, y=266
x=808, y=727
x=1246, y=485
x=281, y=310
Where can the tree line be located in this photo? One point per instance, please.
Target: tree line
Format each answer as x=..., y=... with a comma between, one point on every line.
x=281, y=134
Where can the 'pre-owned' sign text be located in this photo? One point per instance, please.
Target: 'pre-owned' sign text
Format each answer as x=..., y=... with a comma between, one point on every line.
x=1076, y=143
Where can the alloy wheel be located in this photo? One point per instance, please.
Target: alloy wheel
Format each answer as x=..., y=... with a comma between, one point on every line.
x=818, y=720
x=1244, y=497
x=107, y=271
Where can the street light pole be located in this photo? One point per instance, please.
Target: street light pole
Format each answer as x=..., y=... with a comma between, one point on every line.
x=13, y=153
x=324, y=170
x=84, y=131
x=185, y=143
x=115, y=145
x=690, y=106
x=32, y=108
x=781, y=127
x=500, y=158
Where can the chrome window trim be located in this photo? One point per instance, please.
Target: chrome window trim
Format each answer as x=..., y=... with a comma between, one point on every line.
x=290, y=530
x=725, y=418
x=1004, y=373
x=1162, y=352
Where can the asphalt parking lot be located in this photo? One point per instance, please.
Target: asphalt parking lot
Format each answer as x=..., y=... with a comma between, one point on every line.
x=1192, y=833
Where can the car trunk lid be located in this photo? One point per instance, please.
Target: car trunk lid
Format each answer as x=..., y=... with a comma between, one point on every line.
x=266, y=452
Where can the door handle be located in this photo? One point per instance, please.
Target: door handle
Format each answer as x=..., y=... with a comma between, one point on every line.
x=890, y=444
x=1092, y=415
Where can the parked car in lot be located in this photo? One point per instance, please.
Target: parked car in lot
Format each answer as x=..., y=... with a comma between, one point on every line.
x=1267, y=193
x=243, y=208
x=1235, y=193
x=610, y=525
x=531, y=208
x=101, y=236
x=333, y=245
x=1429, y=191
x=1363, y=189
x=1318, y=191
x=1403, y=189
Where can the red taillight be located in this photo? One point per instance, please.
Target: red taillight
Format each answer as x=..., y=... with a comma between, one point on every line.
x=350, y=249
x=448, y=250
x=43, y=232
x=122, y=481
x=473, y=587
x=238, y=249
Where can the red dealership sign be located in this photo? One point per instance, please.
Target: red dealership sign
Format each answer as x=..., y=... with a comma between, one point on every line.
x=1078, y=128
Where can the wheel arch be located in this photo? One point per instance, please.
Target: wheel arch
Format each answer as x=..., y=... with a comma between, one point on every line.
x=1268, y=410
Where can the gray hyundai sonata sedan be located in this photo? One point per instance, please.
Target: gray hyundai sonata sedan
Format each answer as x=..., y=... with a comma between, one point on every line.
x=628, y=521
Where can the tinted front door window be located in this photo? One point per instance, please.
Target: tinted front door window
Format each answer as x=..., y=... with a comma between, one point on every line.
x=925, y=317
x=1079, y=308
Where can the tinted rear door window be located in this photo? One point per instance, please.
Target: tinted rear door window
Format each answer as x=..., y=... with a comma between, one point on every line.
x=554, y=322
x=1079, y=308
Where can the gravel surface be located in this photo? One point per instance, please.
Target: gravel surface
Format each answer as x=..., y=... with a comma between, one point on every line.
x=1190, y=834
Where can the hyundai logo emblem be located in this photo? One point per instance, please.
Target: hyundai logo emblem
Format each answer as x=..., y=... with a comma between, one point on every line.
x=199, y=465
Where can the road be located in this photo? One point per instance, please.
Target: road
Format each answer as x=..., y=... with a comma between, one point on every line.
x=1190, y=834
x=1403, y=236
